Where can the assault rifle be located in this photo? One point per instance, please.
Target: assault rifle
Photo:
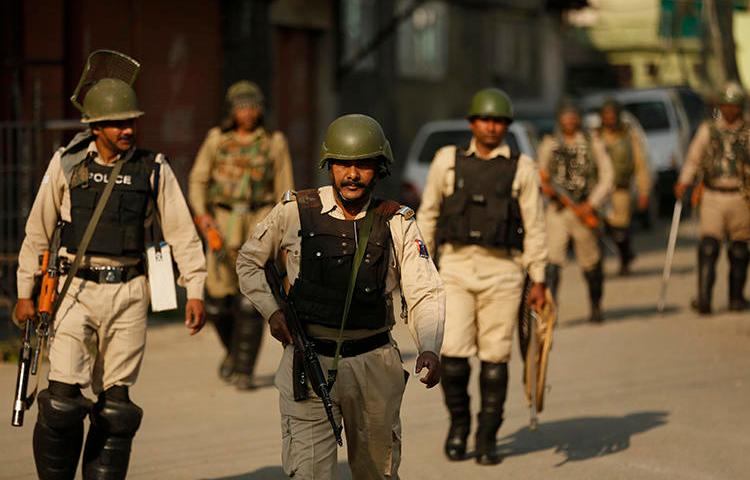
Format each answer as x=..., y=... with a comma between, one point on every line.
x=304, y=352
x=28, y=358
x=559, y=194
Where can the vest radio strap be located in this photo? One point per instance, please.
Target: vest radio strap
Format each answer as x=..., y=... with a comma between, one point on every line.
x=359, y=254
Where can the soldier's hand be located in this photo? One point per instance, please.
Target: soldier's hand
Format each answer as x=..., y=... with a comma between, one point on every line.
x=23, y=311
x=279, y=330
x=430, y=361
x=679, y=190
x=537, y=298
x=195, y=315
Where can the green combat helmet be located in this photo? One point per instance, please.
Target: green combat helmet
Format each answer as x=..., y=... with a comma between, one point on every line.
x=110, y=99
x=244, y=93
x=356, y=137
x=733, y=94
x=106, y=88
x=491, y=102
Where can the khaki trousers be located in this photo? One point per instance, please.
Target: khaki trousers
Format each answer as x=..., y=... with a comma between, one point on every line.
x=99, y=334
x=724, y=215
x=235, y=228
x=562, y=226
x=481, y=306
x=620, y=214
x=367, y=395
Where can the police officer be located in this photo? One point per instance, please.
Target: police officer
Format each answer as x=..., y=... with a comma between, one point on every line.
x=241, y=171
x=483, y=212
x=319, y=230
x=720, y=155
x=627, y=151
x=99, y=334
x=576, y=163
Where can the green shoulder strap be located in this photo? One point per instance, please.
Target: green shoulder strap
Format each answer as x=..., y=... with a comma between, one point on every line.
x=88, y=234
x=359, y=254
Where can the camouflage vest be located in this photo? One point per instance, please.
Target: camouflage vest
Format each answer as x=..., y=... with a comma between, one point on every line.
x=620, y=151
x=573, y=168
x=727, y=155
x=243, y=171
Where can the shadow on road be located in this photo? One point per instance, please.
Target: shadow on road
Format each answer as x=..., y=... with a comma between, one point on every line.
x=276, y=473
x=582, y=438
x=651, y=272
x=637, y=312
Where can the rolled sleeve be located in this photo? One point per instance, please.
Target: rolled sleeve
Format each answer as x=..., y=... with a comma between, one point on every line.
x=532, y=211
x=264, y=244
x=40, y=225
x=432, y=197
x=421, y=286
x=605, y=174
x=179, y=232
x=695, y=153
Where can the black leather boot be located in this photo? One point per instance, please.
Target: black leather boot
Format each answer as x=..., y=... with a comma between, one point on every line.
x=493, y=384
x=621, y=237
x=58, y=433
x=455, y=380
x=218, y=312
x=595, y=281
x=248, y=336
x=708, y=253
x=552, y=278
x=114, y=421
x=739, y=256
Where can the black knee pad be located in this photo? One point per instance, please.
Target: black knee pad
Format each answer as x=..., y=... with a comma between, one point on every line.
x=61, y=406
x=115, y=414
x=243, y=307
x=455, y=366
x=217, y=307
x=709, y=248
x=739, y=252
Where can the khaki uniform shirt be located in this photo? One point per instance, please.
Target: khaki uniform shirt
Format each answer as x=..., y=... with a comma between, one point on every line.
x=53, y=202
x=641, y=172
x=698, y=150
x=605, y=172
x=414, y=275
x=525, y=187
x=201, y=175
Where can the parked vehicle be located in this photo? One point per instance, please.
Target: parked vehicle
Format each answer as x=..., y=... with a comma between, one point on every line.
x=435, y=135
x=669, y=116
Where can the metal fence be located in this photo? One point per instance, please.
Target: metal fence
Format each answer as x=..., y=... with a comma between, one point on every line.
x=25, y=149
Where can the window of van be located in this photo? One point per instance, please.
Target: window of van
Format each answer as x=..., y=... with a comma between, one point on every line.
x=651, y=115
x=437, y=140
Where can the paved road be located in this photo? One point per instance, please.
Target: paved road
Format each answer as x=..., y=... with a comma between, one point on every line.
x=643, y=396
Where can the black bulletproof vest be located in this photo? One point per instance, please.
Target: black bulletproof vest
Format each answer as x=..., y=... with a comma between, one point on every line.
x=328, y=246
x=481, y=210
x=120, y=231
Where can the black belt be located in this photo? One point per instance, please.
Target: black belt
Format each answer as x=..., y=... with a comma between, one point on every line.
x=724, y=189
x=111, y=274
x=251, y=206
x=351, y=348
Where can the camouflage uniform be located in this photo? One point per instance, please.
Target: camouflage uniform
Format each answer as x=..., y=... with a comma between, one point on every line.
x=720, y=154
x=237, y=178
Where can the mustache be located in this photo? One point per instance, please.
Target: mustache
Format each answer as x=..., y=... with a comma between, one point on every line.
x=353, y=183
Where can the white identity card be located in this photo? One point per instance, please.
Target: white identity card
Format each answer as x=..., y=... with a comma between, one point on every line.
x=161, y=278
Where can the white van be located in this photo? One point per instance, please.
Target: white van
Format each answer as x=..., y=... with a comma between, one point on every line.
x=435, y=135
x=669, y=117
